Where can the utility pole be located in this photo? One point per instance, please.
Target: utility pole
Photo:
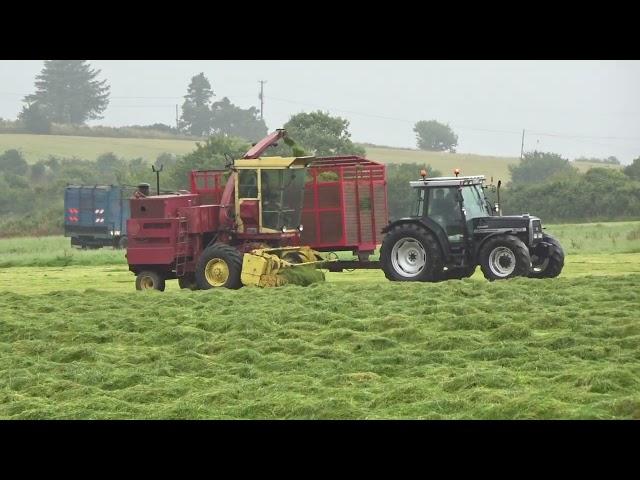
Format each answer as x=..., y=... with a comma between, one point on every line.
x=261, y=97
x=522, y=146
x=177, y=119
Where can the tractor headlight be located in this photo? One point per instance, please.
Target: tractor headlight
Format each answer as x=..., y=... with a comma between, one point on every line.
x=284, y=228
x=300, y=228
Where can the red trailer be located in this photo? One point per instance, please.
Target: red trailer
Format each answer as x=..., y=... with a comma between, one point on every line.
x=345, y=206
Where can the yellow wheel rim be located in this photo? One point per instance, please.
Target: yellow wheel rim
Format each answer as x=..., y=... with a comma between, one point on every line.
x=146, y=282
x=216, y=272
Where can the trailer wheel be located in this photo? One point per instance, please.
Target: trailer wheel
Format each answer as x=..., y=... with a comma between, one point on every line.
x=504, y=256
x=409, y=252
x=551, y=264
x=188, y=281
x=150, y=280
x=219, y=265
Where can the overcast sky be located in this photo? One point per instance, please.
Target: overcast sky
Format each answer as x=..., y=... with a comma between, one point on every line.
x=576, y=108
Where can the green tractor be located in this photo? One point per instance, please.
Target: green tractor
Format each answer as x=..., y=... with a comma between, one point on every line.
x=454, y=229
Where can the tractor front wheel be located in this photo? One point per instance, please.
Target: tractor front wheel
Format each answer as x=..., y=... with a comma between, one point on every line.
x=504, y=256
x=150, y=280
x=551, y=263
x=219, y=266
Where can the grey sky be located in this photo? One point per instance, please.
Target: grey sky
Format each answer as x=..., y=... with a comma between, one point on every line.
x=487, y=103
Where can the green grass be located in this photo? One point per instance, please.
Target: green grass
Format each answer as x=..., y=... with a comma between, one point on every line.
x=55, y=251
x=78, y=341
x=606, y=237
x=39, y=147
x=562, y=348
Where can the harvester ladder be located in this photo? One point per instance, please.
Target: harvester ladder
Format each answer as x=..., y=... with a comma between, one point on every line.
x=182, y=247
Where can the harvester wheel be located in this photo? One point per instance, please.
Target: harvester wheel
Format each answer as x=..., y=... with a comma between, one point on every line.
x=150, y=280
x=188, y=281
x=550, y=265
x=504, y=256
x=409, y=252
x=219, y=265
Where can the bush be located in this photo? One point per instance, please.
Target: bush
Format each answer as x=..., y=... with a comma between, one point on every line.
x=12, y=161
x=598, y=194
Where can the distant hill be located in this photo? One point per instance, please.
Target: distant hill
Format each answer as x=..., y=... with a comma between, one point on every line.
x=36, y=147
x=469, y=164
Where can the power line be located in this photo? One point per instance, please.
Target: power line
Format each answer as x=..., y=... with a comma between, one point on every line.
x=463, y=127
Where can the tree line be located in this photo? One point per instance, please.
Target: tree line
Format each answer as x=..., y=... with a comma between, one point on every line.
x=547, y=185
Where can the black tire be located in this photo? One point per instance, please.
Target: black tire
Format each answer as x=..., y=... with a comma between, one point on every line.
x=188, y=281
x=508, y=265
x=457, y=273
x=420, y=241
x=150, y=280
x=552, y=264
x=230, y=256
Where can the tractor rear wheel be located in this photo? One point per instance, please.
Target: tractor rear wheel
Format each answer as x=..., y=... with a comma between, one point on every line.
x=150, y=280
x=219, y=265
x=552, y=263
x=410, y=253
x=504, y=256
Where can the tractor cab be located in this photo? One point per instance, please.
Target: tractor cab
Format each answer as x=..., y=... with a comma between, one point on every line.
x=453, y=203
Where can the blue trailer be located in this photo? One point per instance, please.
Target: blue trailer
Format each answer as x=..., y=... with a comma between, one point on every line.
x=96, y=216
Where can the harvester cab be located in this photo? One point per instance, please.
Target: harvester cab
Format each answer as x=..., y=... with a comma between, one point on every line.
x=453, y=229
x=269, y=195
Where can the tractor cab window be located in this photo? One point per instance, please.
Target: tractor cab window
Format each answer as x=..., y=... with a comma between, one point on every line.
x=475, y=205
x=282, y=196
x=444, y=208
x=248, y=184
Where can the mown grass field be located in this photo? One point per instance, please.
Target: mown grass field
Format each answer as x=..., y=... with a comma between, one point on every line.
x=78, y=341
x=564, y=348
